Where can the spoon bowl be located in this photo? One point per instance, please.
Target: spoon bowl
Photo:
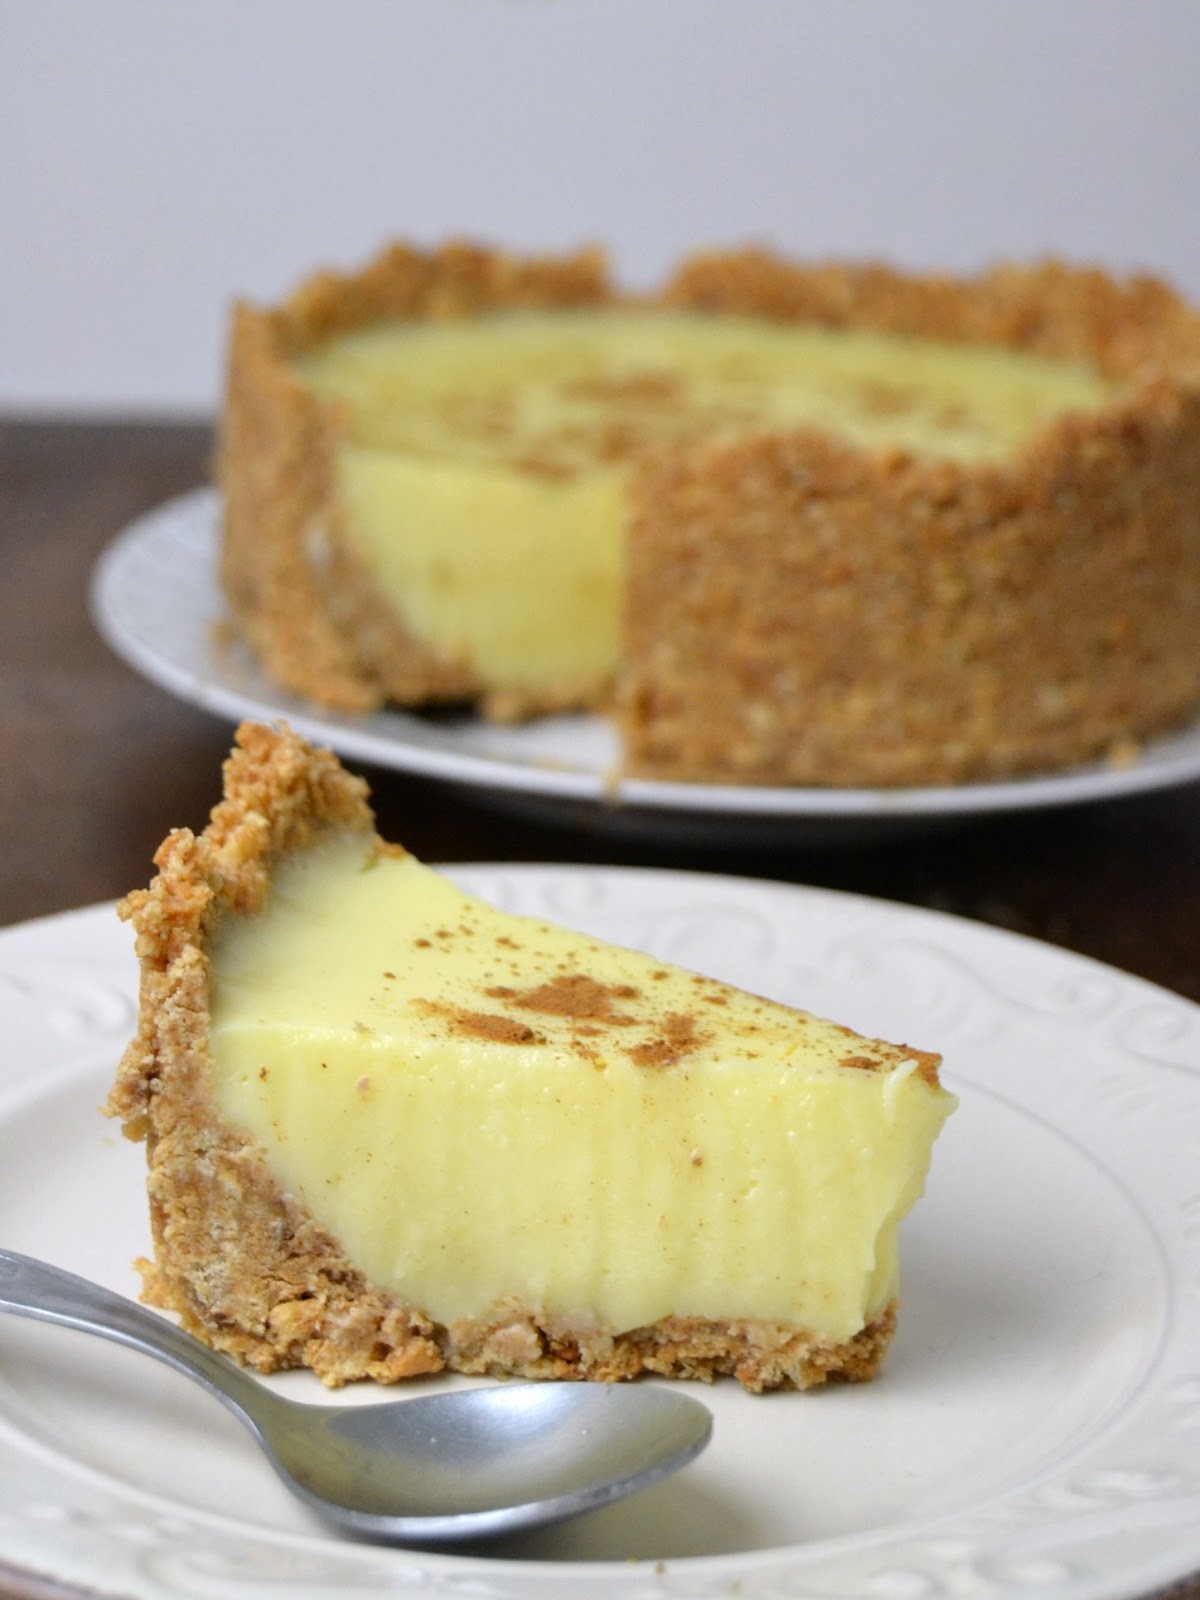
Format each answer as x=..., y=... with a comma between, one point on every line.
x=465, y=1464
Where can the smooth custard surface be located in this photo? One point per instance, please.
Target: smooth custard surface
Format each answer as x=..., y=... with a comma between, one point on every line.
x=558, y=393
x=482, y=462
x=479, y=1106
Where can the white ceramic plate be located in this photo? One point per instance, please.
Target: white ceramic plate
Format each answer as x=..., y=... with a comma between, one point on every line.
x=1035, y=1434
x=156, y=601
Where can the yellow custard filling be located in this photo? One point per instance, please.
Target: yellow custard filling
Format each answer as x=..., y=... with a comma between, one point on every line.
x=482, y=462
x=481, y=1107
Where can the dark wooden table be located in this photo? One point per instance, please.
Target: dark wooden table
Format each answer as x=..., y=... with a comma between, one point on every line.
x=96, y=765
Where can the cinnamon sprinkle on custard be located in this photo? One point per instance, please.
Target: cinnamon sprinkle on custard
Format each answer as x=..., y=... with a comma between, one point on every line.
x=482, y=1024
x=576, y=997
x=679, y=1037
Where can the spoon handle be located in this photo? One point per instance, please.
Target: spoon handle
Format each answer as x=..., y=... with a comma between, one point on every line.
x=30, y=1288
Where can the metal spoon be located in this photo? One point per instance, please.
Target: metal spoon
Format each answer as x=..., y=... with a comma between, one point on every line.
x=441, y=1467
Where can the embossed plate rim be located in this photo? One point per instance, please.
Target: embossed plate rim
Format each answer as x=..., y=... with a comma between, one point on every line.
x=1018, y=1542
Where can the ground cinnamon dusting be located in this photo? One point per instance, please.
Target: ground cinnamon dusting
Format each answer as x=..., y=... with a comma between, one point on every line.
x=591, y=1006
x=481, y=1024
x=575, y=996
x=679, y=1037
x=862, y=1063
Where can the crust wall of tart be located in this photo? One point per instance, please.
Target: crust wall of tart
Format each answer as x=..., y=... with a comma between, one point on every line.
x=798, y=609
x=243, y=1264
x=913, y=623
x=803, y=612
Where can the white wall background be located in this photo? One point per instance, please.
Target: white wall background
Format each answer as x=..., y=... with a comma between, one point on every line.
x=157, y=157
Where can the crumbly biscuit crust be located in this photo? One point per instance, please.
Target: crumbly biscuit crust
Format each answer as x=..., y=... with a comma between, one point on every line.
x=803, y=611
x=242, y=1262
x=913, y=622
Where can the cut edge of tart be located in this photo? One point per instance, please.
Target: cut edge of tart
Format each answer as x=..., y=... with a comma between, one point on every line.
x=244, y=1249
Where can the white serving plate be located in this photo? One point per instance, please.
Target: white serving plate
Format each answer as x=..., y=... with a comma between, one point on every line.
x=1035, y=1434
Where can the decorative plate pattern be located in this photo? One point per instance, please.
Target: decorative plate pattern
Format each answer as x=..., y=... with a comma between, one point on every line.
x=1035, y=1433
x=155, y=599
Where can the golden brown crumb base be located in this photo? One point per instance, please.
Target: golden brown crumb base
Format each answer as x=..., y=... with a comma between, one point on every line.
x=798, y=610
x=915, y=623
x=240, y=1261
